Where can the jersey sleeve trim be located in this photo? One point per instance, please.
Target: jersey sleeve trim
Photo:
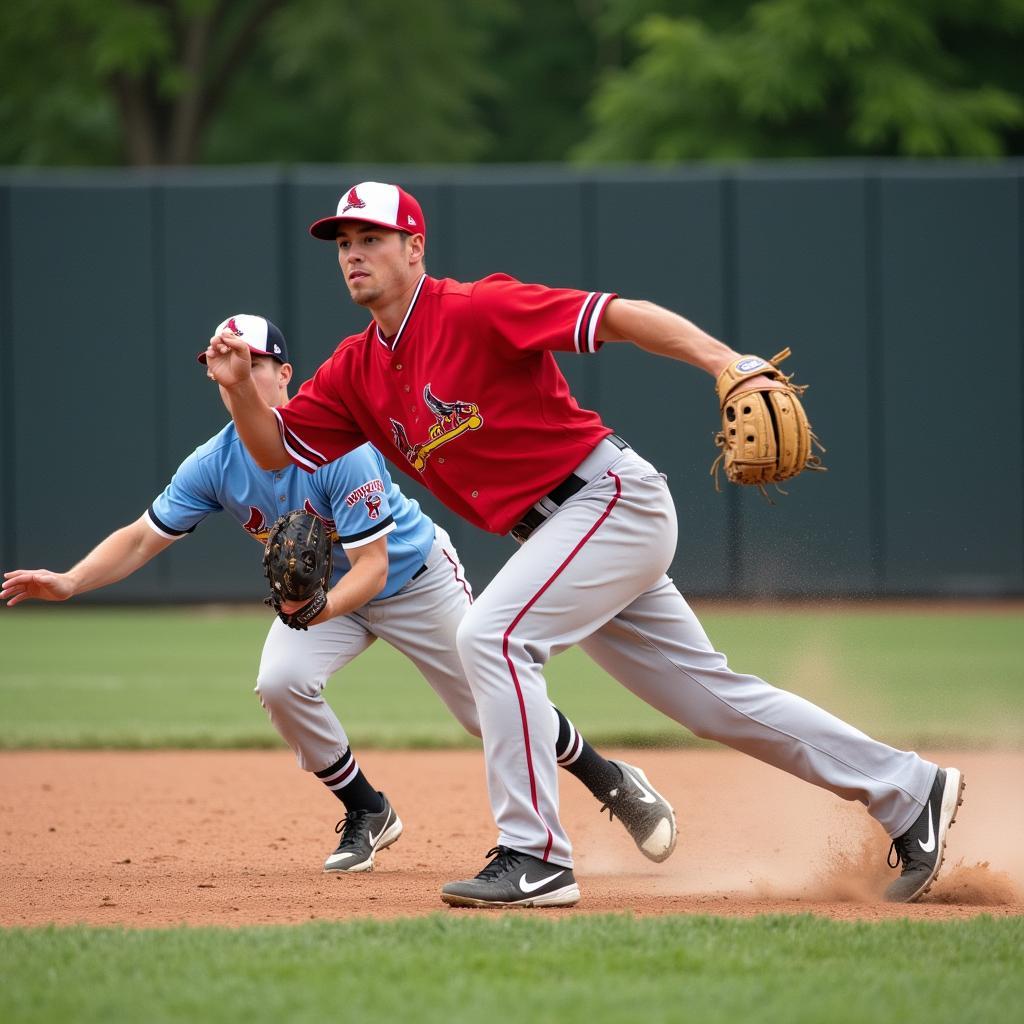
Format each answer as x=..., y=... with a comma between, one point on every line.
x=299, y=452
x=154, y=523
x=378, y=530
x=584, y=337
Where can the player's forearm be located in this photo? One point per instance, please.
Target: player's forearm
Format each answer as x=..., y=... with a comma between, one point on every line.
x=257, y=426
x=124, y=552
x=664, y=333
x=361, y=584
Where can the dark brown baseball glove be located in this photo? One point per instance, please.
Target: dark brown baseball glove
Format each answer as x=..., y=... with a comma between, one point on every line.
x=297, y=563
x=765, y=436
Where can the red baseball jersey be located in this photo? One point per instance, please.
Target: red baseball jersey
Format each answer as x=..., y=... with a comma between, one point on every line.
x=466, y=397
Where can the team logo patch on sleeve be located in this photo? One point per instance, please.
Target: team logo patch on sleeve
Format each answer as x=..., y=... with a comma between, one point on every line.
x=367, y=492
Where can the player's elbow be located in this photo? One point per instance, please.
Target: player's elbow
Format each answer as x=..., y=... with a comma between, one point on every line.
x=267, y=457
x=380, y=579
x=373, y=566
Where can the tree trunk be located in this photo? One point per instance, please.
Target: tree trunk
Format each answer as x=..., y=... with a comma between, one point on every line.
x=157, y=130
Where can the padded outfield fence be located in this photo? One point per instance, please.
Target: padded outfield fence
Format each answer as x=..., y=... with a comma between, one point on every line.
x=897, y=285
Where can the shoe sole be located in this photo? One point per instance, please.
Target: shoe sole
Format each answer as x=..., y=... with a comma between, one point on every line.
x=567, y=896
x=659, y=857
x=952, y=799
x=389, y=836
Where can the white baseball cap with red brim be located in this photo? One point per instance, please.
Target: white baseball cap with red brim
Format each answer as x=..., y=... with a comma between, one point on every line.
x=373, y=202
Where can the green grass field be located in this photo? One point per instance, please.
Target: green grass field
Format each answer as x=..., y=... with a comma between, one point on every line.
x=512, y=967
x=75, y=677
x=82, y=677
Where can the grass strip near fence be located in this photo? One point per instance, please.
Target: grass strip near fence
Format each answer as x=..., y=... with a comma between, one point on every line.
x=184, y=677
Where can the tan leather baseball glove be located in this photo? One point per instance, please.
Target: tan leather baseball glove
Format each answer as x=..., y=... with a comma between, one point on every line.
x=765, y=436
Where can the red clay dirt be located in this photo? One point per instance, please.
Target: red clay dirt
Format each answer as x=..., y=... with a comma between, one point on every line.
x=164, y=838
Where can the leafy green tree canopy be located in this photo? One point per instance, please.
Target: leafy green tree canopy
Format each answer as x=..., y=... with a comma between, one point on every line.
x=919, y=78
x=233, y=81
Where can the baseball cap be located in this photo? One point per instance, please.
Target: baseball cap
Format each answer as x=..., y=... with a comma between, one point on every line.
x=376, y=203
x=262, y=337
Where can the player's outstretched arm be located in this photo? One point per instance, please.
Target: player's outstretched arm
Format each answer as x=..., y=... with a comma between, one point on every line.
x=362, y=583
x=119, y=555
x=664, y=333
x=229, y=363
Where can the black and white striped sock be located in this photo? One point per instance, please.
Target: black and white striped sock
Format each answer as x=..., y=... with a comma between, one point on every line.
x=347, y=782
x=579, y=758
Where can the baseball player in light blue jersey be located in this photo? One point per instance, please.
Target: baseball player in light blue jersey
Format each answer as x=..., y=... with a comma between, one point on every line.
x=396, y=576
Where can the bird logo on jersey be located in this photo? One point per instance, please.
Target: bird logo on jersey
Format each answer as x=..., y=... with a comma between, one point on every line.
x=452, y=420
x=256, y=525
x=352, y=201
x=373, y=506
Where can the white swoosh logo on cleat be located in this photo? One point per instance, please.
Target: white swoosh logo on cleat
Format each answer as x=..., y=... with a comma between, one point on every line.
x=648, y=797
x=930, y=845
x=534, y=886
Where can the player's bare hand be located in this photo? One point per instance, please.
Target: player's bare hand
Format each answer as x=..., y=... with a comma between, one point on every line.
x=228, y=359
x=23, y=584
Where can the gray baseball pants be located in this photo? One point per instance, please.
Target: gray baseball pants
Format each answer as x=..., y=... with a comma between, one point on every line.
x=594, y=574
x=420, y=621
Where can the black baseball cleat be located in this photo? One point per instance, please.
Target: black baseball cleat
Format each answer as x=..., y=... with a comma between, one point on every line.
x=514, y=879
x=922, y=847
x=363, y=833
x=646, y=814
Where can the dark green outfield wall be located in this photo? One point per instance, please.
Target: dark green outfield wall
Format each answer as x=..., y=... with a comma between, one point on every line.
x=898, y=286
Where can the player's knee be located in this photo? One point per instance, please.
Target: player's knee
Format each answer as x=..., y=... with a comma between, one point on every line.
x=469, y=640
x=278, y=686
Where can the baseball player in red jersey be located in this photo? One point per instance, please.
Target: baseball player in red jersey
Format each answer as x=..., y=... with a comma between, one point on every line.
x=456, y=384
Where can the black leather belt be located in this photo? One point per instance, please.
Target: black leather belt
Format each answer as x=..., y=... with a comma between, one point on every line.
x=419, y=572
x=557, y=496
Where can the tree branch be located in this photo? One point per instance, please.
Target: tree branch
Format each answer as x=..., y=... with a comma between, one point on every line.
x=183, y=142
x=219, y=77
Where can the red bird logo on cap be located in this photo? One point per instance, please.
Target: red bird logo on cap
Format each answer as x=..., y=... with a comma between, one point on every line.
x=235, y=327
x=352, y=201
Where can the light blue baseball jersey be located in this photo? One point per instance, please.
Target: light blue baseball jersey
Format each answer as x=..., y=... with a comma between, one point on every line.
x=354, y=494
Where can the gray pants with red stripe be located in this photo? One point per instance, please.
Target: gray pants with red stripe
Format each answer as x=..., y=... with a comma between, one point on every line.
x=594, y=574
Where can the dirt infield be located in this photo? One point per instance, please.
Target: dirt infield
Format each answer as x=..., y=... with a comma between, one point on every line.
x=163, y=838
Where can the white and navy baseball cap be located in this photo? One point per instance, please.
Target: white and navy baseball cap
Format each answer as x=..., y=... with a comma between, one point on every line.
x=262, y=337
x=375, y=203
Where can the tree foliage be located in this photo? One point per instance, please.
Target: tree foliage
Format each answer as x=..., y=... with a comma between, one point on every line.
x=810, y=77
x=235, y=81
